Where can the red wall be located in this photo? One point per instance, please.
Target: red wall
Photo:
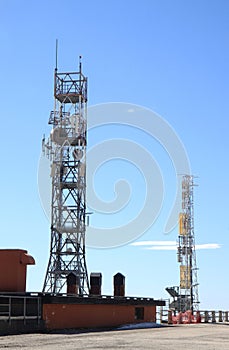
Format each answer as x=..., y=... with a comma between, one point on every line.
x=59, y=316
x=13, y=264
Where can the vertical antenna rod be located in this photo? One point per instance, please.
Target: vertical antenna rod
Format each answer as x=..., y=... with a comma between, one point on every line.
x=56, y=54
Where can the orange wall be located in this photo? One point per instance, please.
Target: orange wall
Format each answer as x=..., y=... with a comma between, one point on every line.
x=13, y=264
x=59, y=316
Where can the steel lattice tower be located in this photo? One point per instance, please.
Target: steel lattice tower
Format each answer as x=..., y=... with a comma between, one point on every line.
x=66, y=149
x=189, y=299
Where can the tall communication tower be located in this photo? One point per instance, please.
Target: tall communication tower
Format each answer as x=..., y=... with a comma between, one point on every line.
x=66, y=149
x=189, y=299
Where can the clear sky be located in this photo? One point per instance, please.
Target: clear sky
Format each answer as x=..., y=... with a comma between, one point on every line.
x=168, y=56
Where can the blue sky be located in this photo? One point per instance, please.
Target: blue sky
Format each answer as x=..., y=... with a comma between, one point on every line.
x=167, y=56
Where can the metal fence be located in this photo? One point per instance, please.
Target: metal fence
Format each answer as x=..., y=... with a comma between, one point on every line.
x=24, y=308
x=212, y=316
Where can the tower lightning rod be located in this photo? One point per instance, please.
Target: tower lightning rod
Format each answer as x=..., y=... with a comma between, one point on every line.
x=80, y=63
x=56, y=53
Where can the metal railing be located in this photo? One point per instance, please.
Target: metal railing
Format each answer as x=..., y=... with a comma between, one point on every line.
x=14, y=307
x=212, y=316
x=162, y=312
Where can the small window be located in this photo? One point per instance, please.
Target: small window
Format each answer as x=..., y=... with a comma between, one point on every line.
x=139, y=313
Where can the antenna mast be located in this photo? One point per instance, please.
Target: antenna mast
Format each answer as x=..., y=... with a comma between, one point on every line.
x=189, y=298
x=66, y=149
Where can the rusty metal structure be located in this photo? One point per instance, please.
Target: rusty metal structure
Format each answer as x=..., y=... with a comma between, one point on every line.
x=186, y=296
x=66, y=149
x=186, y=252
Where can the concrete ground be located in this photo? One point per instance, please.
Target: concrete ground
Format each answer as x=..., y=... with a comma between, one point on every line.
x=196, y=336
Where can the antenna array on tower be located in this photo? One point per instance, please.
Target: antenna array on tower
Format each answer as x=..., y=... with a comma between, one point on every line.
x=66, y=149
x=189, y=299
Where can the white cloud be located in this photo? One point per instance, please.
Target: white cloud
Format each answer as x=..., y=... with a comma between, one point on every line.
x=171, y=245
x=165, y=247
x=208, y=246
x=160, y=243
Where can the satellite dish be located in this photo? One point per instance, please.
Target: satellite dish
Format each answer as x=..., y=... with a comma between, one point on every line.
x=58, y=135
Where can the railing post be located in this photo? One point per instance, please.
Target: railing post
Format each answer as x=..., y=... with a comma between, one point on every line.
x=24, y=311
x=226, y=316
x=220, y=316
x=160, y=314
x=213, y=317
x=198, y=317
x=38, y=310
x=179, y=318
x=206, y=316
x=170, y=319
x=10, y=310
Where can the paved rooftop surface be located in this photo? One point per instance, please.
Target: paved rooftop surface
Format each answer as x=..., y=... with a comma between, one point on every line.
x=199, y=336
